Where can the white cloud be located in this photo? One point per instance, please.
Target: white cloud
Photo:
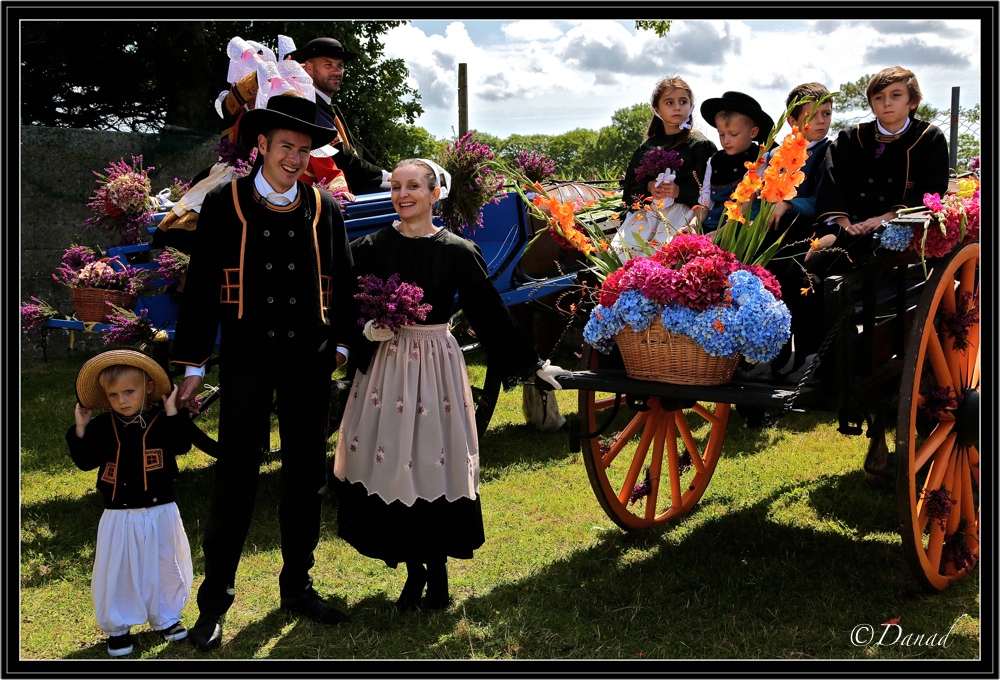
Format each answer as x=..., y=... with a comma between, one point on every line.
x=549, y=77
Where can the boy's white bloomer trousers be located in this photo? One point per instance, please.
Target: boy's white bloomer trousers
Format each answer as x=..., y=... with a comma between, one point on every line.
x=142, y=569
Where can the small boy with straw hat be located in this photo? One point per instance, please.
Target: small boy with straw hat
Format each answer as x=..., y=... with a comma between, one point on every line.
x=142, y=564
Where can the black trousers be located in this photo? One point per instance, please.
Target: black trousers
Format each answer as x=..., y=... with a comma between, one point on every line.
x=299, y=376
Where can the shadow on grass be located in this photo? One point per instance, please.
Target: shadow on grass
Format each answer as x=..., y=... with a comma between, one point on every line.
x=78, y=521
x=510, y=445
x=755, y=586
x=743, y=585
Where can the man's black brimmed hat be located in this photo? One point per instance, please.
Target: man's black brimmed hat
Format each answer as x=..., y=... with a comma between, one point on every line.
x=285, y=112
x=743, y=103
x=322, y=47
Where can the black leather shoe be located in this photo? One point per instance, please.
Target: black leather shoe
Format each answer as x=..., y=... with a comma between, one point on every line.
x=436, y=603
x=206, y=634
x=312, y=606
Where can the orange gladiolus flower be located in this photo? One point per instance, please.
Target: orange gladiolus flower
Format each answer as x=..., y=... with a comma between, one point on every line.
x=749, y=185
x=563, y=212
x=719, y=326
x=733, y=212
x=742, y=194
x=783, y=173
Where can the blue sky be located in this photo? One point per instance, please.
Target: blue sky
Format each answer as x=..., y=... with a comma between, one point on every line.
x=553, y=76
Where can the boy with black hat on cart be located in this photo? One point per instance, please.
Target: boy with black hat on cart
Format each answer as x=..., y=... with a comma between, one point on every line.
x=742, y=127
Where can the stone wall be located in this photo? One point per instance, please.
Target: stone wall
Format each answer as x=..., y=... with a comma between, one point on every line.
x=57, y=182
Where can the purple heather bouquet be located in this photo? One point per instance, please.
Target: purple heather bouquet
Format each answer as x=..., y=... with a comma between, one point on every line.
x=125, y=327
x=475, y=183
x=34, y=314
x=231, y=155
x=173, y=263
x=657, y=161
x=535, y=166
x=390, y=304
x=122, y=202
x=172, y=193
x=81, y=268
x=339, y=192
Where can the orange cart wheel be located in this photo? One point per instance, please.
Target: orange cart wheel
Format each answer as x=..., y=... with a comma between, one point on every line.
x=655, y=460
x=937, y=434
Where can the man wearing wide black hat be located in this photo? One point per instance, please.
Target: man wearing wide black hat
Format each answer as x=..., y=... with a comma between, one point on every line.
x=324, y=59
x=271, y=263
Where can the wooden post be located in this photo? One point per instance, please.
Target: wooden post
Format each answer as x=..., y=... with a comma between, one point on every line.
x=463, y=101
x=953, y=133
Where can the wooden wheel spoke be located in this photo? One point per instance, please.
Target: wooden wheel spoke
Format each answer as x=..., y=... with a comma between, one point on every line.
x=932, y=443
x=673, y=459
x=624, y=437
x=969, y=510
x=652, y=423
x=955, y=360
x=956, y=490
x=935, y=475
x=947, y=302
x=689, y=443
x=935, y=542
x=942, y=371
x=967, y=277
x=656, y=468
x=708, y=415
x=972, y=356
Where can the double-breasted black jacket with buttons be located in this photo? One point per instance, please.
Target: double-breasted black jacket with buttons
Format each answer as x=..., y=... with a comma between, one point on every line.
x=277, y=279
x=868, y=174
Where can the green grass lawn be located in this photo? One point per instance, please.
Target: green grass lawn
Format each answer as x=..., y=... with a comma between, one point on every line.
x=789, y=555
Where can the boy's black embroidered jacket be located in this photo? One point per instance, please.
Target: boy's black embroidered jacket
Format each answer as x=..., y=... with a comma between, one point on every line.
x=865, y=177
x=136, y=466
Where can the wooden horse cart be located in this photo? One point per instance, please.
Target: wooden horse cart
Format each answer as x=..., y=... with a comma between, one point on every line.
x=891, y=350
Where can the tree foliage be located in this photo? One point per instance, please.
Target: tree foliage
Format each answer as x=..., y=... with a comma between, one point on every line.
x=515, y=144
x=146, y=76
x=573, y=153
x=616, y=142
x=416, y=142
x=660, y=27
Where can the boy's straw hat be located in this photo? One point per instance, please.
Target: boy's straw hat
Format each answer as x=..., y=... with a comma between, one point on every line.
x=743, y=103
x=91, y=395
